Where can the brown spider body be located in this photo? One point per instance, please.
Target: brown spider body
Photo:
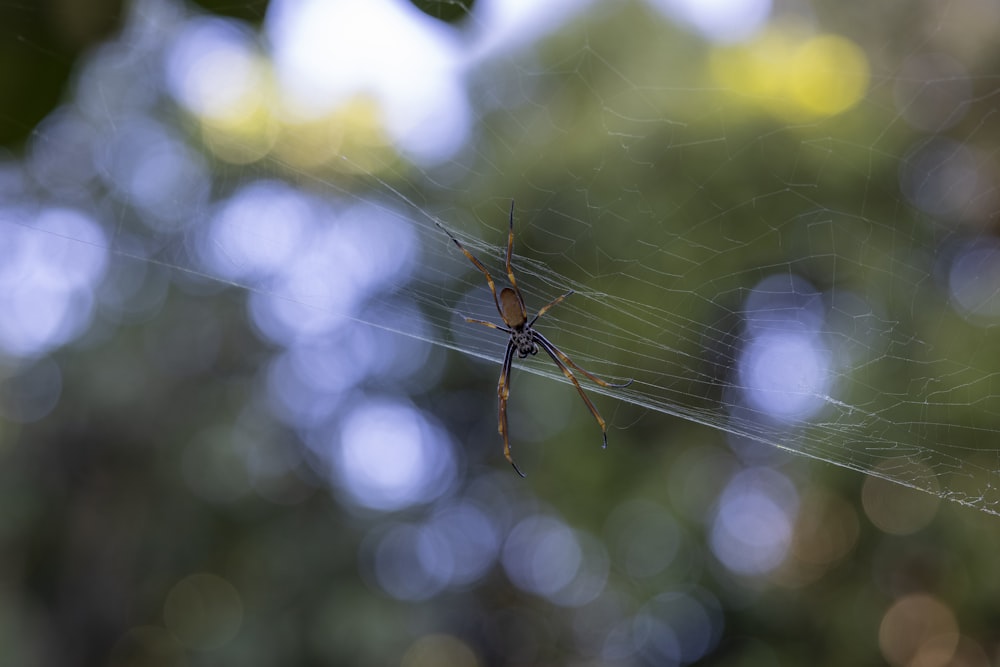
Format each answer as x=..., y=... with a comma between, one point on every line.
x=515, y=317
x=525, y=340
x=512, y=309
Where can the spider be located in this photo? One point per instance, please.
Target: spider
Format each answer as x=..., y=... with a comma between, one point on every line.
x=525, y=340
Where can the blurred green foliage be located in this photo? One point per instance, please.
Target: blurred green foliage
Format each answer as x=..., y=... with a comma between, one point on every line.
x=39, y=45
x=110, y=557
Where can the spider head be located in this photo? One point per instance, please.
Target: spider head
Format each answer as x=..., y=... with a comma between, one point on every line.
x=525, y=343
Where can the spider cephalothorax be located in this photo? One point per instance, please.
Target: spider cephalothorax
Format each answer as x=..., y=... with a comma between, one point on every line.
x=525, y=340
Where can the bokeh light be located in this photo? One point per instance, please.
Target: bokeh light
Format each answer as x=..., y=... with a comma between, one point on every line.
x=404, y=563
x=826, y=532
x=677, y=628
x=542, y=555
x=940, y=177
x=327, y=53
x=918, y=629
x=752, y=529
x=438, y=649
x=53, y=261
x=61, y=158
x=896, y=509
x=386, y=455
x=829, y=74
x=457, y=546
x=154, y=170
x=795, y=74
x=343, y=260
x=212, y=70
x=974, y=280
x=721, y=20
x=468, y=539
x=258, y=231
x=785, y=365
x=203, y=611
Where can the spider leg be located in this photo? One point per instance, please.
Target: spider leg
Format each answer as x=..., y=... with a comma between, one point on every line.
x=503, y=391
x=550, y=304
x=472, y=320
x=510, y=244
x=479, y=265
x=554, y=352
x=552, y=349
x=510, y=249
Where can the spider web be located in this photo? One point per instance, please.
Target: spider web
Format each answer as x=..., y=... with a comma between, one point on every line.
x=696, y=211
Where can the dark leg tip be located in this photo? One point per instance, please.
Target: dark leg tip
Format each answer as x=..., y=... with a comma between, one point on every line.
x=518, y=470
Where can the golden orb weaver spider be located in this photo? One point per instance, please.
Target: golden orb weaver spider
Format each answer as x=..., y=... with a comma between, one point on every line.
x=525, y=340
